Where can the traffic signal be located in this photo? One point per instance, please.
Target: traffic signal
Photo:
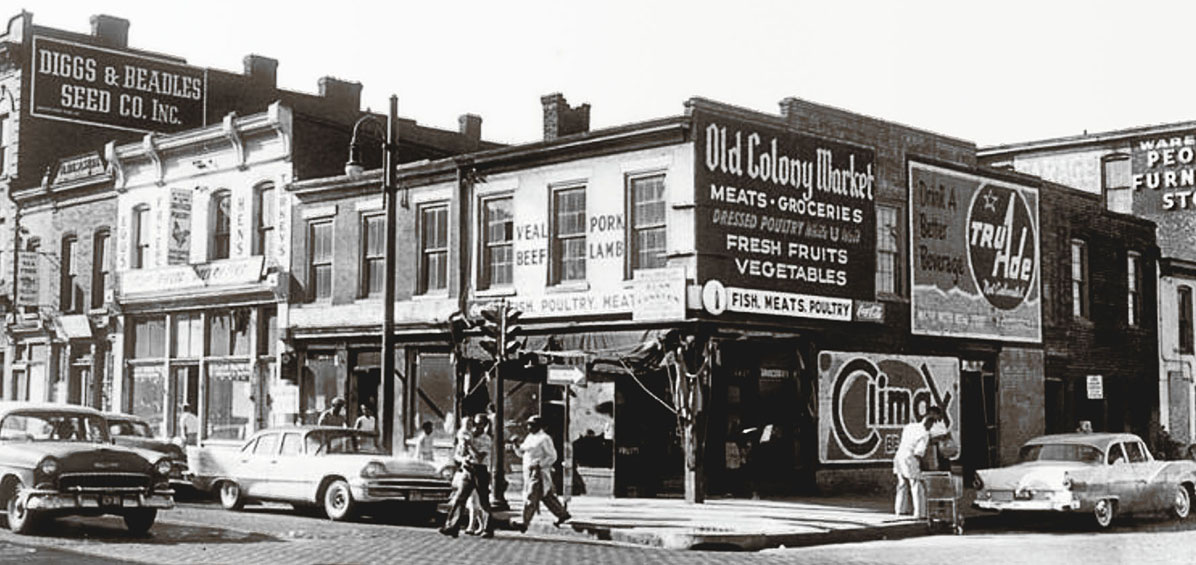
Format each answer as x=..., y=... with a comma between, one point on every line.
x=458, y=325
x=500, y=326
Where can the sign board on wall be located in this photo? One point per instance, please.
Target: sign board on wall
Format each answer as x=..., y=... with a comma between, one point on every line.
x=118, y=89
x=179, y=239
x=786, y=222
x=865, y=399
x=974, y=256
x=659, y=295
x=1096, y=387
x=1163, y=173
x=28, y=276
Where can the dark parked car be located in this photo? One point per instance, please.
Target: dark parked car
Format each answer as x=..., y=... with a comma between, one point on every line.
x=58, y=460
x=130, y=431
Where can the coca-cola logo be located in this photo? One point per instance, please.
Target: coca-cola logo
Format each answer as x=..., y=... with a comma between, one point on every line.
x=1002, y=247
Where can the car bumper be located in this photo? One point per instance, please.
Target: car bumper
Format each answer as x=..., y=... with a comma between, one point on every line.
x=381, y=492
x=54, y=500
x=1056, y=503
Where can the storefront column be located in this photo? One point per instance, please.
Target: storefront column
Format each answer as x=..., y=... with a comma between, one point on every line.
x=120, y=370
x=168, y=410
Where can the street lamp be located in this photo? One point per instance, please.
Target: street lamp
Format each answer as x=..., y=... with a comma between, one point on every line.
x=354, y=168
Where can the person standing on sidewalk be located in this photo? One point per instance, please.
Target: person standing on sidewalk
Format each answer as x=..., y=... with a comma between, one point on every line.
x=539, y=455
x=907, y=463
x=334, y=415
x=471, y=475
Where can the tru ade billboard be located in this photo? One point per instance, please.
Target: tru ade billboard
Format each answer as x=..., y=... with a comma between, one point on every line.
x=786, y=223
x=92, y=85
x=865, y=399
x=974, y=256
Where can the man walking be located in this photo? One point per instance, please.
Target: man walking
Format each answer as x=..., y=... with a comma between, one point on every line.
x=471, y=475
x=915, y=436
x=539, y=455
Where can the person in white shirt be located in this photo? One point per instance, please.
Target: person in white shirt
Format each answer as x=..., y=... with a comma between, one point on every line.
x=539, y=455
x=907, y=463
x=189, y=424
x=366, y=422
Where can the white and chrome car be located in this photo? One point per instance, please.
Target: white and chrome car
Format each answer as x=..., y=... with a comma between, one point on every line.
x=338, y=469
x=1103, y=473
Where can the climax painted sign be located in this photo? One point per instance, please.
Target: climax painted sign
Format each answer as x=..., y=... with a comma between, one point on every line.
x=117, y=89
x=865, y=399
x=784, y=212
x=974, y=254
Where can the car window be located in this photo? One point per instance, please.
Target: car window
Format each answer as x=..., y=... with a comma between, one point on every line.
x=292, y=444
x=1060, y=452
x=54, y=426
x=1116, y=454
x=1135, y=452
x=128, y=428
x=266, y=445
x=248, y=447
x=314, y=440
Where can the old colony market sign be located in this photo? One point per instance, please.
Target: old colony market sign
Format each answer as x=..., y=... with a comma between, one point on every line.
x=974, y=255
x=785, y=223
x=866, y=398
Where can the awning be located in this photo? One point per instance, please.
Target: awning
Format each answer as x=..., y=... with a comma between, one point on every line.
x=74, y=326
x=601, y=351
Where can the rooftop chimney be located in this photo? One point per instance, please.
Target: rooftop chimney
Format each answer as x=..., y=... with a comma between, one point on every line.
x=470, y=127
x=110, y=30
x=261, y=69
x=341, y=91
x=560, y=119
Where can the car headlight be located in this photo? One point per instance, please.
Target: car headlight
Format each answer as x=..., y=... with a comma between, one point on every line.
x=163, y=467
x=373, y=469
x=48, y=466
x=977, y=482
x=1067, y=482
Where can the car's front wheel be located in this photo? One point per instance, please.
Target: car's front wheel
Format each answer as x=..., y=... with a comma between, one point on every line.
x=338, y=500
x=230, y=495
x=141, y=520
x=1103, y=513
x=21, y=519
x=1181, y=502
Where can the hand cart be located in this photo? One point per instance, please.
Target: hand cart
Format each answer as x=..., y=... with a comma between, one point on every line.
x=943, y=491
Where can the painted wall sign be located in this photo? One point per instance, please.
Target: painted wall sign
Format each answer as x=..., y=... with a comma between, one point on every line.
x=117, y=89
x=783, y=212
x=650, y=296
x=179, y=238
x=1163, y=173
x=718, y=298
x=865, y=399
x=28, y=276
x=79, y=167
x=216, y=273
x=974, y=254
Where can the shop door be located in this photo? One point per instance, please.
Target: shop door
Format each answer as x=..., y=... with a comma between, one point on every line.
x=364, y=390
x=186, y=392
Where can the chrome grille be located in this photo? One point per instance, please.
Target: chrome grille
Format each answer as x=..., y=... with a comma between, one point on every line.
x=103, y=481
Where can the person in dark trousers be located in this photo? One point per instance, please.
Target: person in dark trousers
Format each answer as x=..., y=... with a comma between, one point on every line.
x=471, y=475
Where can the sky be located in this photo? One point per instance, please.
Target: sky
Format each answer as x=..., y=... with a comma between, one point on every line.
x=991, y=73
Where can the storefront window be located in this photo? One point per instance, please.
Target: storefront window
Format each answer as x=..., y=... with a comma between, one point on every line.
x=149, y=338
x=149, y=387
x=268, y=332
x=188, y=336
x=319, y=384
x=434, y=399
x=229, y=331
x=230, y=400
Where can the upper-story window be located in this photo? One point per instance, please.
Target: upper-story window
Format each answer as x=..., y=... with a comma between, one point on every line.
x=221, y=224
x=140, y=231
x=433, y=247
x=568, y=250
x=5, y=136
x=1115, y=182
x=498, y=232
x=646, y=207
x=319, y=249
x=70, y=295
x=101, y=271
x=1133, y=271
x=373, y=254
x=1184, y=306
x=887, y=250
x=265, y=215
x=1079, y=278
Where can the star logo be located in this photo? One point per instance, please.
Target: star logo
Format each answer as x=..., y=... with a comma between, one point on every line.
x=990, y=201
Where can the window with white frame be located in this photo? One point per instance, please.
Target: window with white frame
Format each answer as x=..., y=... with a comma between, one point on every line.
x=1133, y=271
x=568, y=248
x=5, y=137
x=265, y=208
x=1115, y=182
x=646, y=206
x=1184, y=308
x=888, y=276
x=433, y=247
x=319, y=250
x=140, y=230
x=70, y=298
x=498, y=233
x=373, y=254
x=101, y=271
x=221, y=213
x=1079, y=278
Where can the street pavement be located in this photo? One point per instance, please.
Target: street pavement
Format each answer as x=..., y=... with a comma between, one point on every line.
x=205, y=533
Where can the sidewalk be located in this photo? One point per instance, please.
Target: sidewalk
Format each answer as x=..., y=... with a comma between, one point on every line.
x=729, y=523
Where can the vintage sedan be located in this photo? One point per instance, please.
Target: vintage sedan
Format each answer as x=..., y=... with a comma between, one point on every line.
x=58, y=460
x=337, y=469
x=130, y=431
x=1104, y=474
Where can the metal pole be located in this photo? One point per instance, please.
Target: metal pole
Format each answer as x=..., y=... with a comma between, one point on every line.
x=390, y=194
x=498, y=497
